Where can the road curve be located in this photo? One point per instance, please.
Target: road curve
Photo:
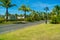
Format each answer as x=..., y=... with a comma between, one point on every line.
x=13, y=27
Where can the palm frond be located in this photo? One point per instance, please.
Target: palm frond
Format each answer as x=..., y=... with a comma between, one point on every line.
x=6, y=3
x=2, y=5
x=11, y=5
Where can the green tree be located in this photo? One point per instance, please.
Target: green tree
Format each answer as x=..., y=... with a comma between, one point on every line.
x=25, y=9
x=46, y=9
x=7, y=4
x=56, y=9
x=55, y=15
x=16, y=15
x=35, y=15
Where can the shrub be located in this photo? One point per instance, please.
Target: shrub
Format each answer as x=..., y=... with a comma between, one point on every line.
x=1, y=20
x=21, y=19
x=30, y=19
x=55, y=20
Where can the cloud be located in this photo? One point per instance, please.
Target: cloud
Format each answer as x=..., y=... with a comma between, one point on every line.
x=42, y=5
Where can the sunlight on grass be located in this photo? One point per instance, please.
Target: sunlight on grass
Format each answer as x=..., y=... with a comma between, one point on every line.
x=36, y=32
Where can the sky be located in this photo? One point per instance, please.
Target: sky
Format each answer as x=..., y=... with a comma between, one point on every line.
x=37, y=5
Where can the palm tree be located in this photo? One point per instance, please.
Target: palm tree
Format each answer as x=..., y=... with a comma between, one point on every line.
x=46, y=9
x=55, y=14
x=25, y=9
x=56, y=9
x=16, y=15
x=7, y=4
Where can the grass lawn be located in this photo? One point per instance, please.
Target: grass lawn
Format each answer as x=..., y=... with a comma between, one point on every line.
x=36, y=32
x=9, y=22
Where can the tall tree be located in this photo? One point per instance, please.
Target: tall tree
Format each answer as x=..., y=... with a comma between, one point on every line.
x=46, y=9
x=25, y=9
x=56, y=9
x=16, y=15
x=55, y=14
x=7, y=4
x=35, y=15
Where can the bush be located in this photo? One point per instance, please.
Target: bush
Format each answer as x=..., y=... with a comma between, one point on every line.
x=1, y=20
x=30, y=19
x=37, y=19
x=55, y=20
x=20, y=19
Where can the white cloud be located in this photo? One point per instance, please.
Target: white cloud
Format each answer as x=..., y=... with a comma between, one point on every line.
x=42, y=5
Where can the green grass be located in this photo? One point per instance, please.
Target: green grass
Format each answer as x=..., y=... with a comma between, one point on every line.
x=9, y=22
x=36, y=32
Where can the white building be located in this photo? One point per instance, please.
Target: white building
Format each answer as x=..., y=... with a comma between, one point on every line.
x=14, y=17
x=20, y=17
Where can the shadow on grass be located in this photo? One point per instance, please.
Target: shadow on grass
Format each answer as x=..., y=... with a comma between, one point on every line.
x=1, y=39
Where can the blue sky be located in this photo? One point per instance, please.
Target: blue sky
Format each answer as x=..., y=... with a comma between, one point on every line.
x=37, y=5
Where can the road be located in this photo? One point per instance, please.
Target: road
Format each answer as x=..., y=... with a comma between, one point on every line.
x=13, y=27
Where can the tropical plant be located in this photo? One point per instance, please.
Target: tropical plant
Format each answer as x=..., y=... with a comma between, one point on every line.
x=56, y=9
x=35, y=15
x=7, y=4
x=16, y=16
x=25, y=9
x=55, y=15
x=46, y=9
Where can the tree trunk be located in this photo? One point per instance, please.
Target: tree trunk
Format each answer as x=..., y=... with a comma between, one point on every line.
x=46, y=20
x=6, y=14
x=25, y=14
x=16, y=17
x=46, y=17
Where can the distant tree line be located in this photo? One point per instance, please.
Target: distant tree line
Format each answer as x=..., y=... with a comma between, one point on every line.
x=53, y=16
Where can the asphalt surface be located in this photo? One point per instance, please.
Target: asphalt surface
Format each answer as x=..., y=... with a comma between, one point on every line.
x=12, y=27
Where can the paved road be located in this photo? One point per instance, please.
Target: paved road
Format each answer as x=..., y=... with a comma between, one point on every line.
x=13, y=27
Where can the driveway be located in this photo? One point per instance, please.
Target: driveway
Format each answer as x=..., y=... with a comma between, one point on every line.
x=12, y=27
